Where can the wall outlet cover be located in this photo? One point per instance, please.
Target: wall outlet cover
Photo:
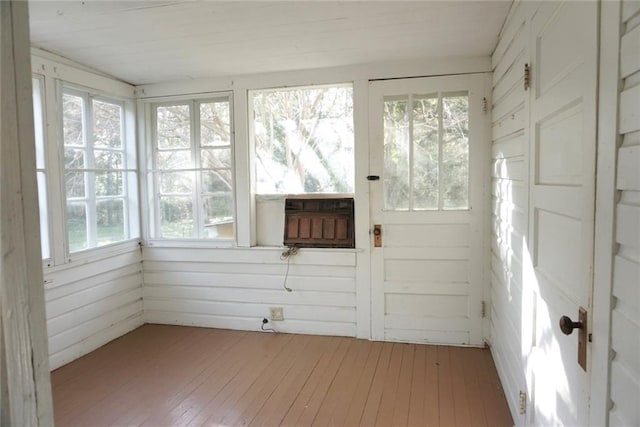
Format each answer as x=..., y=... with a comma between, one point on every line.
x=276, y=313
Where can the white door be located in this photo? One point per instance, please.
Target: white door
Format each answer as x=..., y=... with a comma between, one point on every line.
x=429, y=149
x=561, y=217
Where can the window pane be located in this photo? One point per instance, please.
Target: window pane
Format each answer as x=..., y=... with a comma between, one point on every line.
x=72, y=119
x=77, y=226
x=108, y=184
x=176, y=217
x=173, y=126
x=110, y=219
x=38, y=121
x=455, y=152
x=215, y=124
x=425, y=152
x=107, y=124
x=44, y=215
x=216, y=158
x=396, y=155
x=216, y=181
x=74, y=158
x=74, y=184
x=304, y=140
x=174, y=159
x=177, y=182
x=108, y=159
x=218, y=216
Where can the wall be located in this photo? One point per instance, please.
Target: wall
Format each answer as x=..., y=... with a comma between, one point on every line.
x=509, y=203
x=91, y=302
x=234, y=287
x=95, y=296
x=625, y=316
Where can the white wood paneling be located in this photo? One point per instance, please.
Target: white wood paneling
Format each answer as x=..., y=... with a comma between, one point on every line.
x=92, y=302
x=234, y=289
x=625, y=316
x=509, y=199
x=167, y=41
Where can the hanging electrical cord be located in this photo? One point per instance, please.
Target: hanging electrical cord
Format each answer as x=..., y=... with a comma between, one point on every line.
x=287, y=255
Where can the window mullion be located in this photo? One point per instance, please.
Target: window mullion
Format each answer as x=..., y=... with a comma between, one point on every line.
x=90, y=177
x=196, y=198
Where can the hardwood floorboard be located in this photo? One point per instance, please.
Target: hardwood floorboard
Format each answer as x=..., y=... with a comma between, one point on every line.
x=179, y=376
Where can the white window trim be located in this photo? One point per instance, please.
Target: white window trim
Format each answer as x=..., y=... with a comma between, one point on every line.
x=151, y=223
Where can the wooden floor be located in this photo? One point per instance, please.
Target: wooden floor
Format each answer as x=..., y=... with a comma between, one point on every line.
x=168, y=375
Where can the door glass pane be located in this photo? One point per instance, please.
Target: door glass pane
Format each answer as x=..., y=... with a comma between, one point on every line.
x=425, y=152
x=77, y=226
x=396, y=155
x=215, y=126
x=455, y=151
x=107, y=124
x=173, y=126
x=72, y=119
x=110, y=218
x=176, y=217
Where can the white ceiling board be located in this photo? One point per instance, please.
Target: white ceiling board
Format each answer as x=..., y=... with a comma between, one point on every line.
x=156, y=41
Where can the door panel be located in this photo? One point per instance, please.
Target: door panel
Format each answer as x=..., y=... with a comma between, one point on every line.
x=563, y=117
x=427, y=145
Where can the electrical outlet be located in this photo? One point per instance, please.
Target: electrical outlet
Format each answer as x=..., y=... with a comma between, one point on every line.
x=276, y=313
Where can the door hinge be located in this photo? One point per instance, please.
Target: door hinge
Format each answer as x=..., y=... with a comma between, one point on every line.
x=527, y=77
x=523, y=402
x=483, y=309
x=485, y=106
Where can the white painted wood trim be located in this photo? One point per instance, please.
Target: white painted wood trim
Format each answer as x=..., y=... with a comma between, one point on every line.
x=362, y=210
x=24, y=339
x=607, y=143
x=397, y=69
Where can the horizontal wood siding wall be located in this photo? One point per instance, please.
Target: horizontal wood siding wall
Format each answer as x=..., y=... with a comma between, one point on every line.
x=625, y=317
x=509, y=204
x=92, y=302
x=234, y=289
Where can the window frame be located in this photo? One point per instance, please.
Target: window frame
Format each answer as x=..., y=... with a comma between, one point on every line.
x=45, y=225
x=153, y=225
x=130, y=170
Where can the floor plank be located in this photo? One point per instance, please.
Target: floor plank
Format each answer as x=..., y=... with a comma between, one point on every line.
x=179, y=376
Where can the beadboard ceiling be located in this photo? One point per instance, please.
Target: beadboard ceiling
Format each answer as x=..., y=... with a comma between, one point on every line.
x=156, y=41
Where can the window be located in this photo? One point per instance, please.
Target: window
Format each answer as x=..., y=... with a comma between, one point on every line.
x=192, y=169
x=304, y=140
x=39, y=126
x=99, y=172
x=426, y=152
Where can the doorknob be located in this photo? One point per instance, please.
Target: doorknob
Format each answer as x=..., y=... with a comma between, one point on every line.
x=377, y=235
x=567, y=325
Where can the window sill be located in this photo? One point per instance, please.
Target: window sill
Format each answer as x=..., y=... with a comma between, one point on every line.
x=91, y=255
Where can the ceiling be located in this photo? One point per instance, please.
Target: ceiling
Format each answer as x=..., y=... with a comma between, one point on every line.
x=156, y=41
